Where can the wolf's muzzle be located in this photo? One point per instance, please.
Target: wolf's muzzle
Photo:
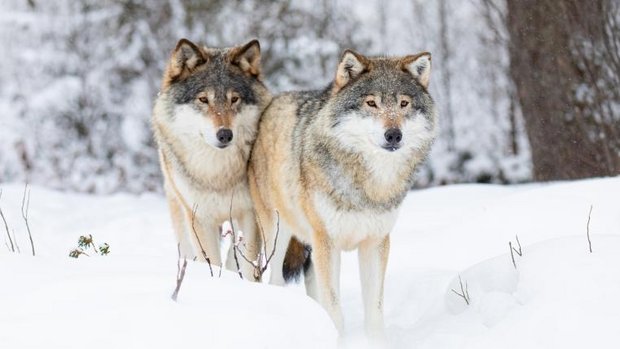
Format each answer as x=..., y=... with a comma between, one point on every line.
x=393, y=137
x=224, y=136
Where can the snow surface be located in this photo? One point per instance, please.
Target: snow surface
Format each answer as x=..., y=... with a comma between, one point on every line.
x=560, y=295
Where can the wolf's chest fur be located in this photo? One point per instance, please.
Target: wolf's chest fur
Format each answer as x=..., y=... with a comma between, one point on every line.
x=371, y=180
x=348, y=228
x=211, y=183
x=356, y=197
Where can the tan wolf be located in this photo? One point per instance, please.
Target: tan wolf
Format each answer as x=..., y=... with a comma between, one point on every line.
x=336, y=164
x=205, y=121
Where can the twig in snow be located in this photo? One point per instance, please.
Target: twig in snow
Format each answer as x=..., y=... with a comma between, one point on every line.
x=25, y=208
x=234, y=237
x=514, y=250
x=512, y=254
x=262, y=261
x=519, y=252
x=16, y=243
x=464, y=292
x=588, y=230
x=180, y=273
x=202, y=250
x=6, y=227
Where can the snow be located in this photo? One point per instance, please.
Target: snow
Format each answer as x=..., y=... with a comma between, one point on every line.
x=560, y=294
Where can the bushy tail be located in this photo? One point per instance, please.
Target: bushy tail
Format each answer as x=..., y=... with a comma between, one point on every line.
x=298, y=258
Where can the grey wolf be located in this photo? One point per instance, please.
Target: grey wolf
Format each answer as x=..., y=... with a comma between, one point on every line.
x=205, y=121
x=336, y=164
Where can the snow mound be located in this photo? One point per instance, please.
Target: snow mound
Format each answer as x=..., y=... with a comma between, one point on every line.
x=558, y=291
x=110, y=302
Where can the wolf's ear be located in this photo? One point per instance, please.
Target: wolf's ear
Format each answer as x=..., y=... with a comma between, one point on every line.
x=419, y=66
x=352, y=65
x=247, y=57
x=185, y=58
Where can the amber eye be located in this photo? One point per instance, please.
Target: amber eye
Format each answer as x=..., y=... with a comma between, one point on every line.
x=234, y=100
x=371, y=104
x=404, y=104
x=204, y=100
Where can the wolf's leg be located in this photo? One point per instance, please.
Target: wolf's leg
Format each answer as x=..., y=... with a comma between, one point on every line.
x=373, y=256
x=205, y=236
x=180, y=227
x=277, y=261
x=326, y=260
x=267, y=224
x=310, y=281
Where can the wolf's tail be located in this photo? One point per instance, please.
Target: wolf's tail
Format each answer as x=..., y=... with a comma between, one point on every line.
x=298, y=258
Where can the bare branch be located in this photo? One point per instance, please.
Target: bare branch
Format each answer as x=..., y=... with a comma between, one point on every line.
x=259, y=266
x=16, y=242
x=202, y=250
x=6, y=226
x=464, y=292
x=514, y=250
x=520, y=252
x=180, y=273
x=25, y=209
x=234, y=236
x=275, y=240
x=588, y=230
x=262, y=231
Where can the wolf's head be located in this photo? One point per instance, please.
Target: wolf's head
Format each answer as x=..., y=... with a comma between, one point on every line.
x=214, y=94
x=383, y=103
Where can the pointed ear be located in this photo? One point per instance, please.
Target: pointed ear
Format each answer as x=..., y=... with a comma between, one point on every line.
x=185, y=58
x=247, y=57
x=352, y=65
x=419, y=66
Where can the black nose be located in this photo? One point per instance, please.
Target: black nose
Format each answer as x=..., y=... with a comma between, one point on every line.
x=393, y=136
x=224, y=135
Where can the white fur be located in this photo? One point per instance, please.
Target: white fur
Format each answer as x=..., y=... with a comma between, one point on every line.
x=189, y=122
x=370, y=256
x=366, y=135
x=349, y=228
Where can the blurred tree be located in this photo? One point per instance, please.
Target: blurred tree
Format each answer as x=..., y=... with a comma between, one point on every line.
x=565, y=62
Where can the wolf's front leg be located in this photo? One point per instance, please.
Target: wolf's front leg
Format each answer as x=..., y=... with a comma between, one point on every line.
x=204, y=235
x=373, y=256
x=326, y=268
x=179, y=225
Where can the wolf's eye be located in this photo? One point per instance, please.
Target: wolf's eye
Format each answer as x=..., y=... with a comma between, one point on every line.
x=204, y=100
x=234, y=100
x=404, y=104
x=371, y=104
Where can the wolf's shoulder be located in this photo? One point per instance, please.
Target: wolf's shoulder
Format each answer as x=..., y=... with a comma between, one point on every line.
x=297, y=103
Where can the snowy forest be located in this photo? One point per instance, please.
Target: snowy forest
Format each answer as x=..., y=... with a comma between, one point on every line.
x=79, y=78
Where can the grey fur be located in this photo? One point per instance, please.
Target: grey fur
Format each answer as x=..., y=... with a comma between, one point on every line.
x=342, y=166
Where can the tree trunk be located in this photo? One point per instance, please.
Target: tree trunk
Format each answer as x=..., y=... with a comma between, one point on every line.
x=566, y=92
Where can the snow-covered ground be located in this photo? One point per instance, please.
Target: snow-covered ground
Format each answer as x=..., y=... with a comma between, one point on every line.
x=559, y=296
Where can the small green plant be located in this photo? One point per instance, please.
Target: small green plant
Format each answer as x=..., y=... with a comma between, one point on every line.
x=85, y=243
x=104, y=249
